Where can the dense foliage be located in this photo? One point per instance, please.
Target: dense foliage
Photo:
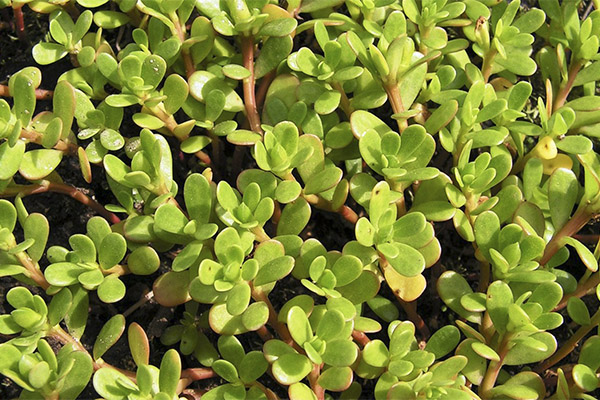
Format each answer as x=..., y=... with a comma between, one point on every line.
x=395, y=117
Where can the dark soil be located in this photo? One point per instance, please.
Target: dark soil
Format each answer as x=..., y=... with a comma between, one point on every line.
x=67, y=217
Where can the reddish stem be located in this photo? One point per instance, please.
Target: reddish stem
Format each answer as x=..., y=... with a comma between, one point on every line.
x=198, y=374
x=249, y=82
x=263, y=87
x=582, y=290
x=46, y=186
x=20, y=23
x=578, y=221
x=395, y=99
x=40, y=94
x=360, y=337
x=565, y=89
x=313, y=378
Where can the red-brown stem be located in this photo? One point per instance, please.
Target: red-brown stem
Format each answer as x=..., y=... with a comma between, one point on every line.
x=565, y=89
x=578, y=221
x=263, y=87
x=268, y=392
x=410, y=307
x=570, y=344
x=488, y=62
x=582, y=290
x=193, y=394
x=344, y=102
x=46, y=186
x=34, y=270
x=20, y=23
x=484, y=276
x=40, y=94
x=276, y=213
x=360, y=337
x=249, y=94
x=59, y=334
x=148, y=295
x=198, y=374
x=587, y=238
x=185, y=52
x=36, y=137
x=492, y=372
x=395, y=99
x=264, y=333
x=348, y=214
x=203, y=157
x=313, y=378
x=273, y=321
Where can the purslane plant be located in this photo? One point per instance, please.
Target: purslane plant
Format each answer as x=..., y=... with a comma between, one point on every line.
x=394, y=117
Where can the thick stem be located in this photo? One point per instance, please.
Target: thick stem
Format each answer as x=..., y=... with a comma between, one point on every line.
x=34, y=270
x=36, y=137
x=492, y=372
x=185, y=52
x=20, y=23
x=484, y=276
x=344, y=102
x=260, y=234
x=570, y=344
x=249, y=82
x=40, y=94
x=47, y=186
x=268, y=392
x=263, y=87
x=582, y=290
x=360, y=337
x=488, y=62
x=273, y=321
x=410, y=307
x=313, y=378
x=578, y=221
x=395, y=99
x=566, y=87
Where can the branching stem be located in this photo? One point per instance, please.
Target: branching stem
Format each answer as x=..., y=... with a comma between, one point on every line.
x=47, y=186
x=249, y=83
x=40, y=94
x=565, y=88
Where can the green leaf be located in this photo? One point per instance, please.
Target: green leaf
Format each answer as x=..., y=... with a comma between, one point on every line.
x=143, y=261
x=110, y=19
x=340, y=353
x=563, y=191
x=273, y=51
x=375, y=353
x=10, y=158
x=138, y=344
x=37, y=164
x=111, y=290
x=108, y=335
x=441, y=117
x=274, y=270
x=45, y=53
x=252, y=366
x=443, y=341
x=294, y=217
x=451, y=288
x=299, y=326
x=170, y=371
x=584, y=253
x=578, y=311
x=112, y=250
x=291, y=368
x=336, y=379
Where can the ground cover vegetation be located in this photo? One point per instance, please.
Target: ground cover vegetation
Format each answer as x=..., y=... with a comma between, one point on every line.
x=389, y=199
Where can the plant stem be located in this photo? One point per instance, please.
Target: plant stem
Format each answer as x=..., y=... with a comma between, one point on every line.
x=410, y=307
x=488, y=62
x=582, y=290
x=34, y=270
x=393, y=93
x=281, y=329
x=360, y=337
x=566, y=87
x=47, y=186
x=260, y=234
x=145, y=298
x=344, y=102
x=261, y=92
x=492, y=371
x=36, y=137
x=249, y=82
x=484, y=276
x=268, y=392
x=40, y=94
x=570, y=344
x=20, y=23
x=578, y=221
x=313, y=378
x=185, y=52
